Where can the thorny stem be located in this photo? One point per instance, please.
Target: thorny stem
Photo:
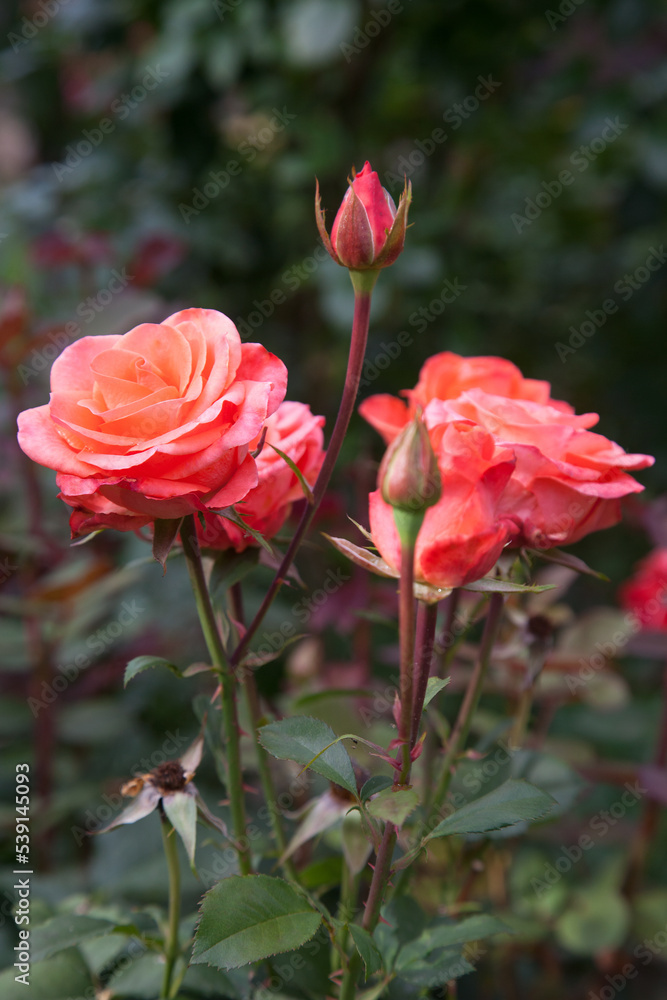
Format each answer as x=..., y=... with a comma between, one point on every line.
x=346, y=910
x=406, y=626
x=382, y=870
x=246, y=679
x=427, y=617
x=362, y=307
x=228, y=690
x=348, y=990
x=173, y=868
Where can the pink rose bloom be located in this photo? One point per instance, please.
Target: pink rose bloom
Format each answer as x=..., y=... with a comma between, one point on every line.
x=645, y=593
x=464, y=533
x=156, y=423
x=296, y=432
x=446, y=376
x=567, y=480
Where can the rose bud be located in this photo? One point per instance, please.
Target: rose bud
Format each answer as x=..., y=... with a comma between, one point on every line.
x=368, y=232
x=409, y=478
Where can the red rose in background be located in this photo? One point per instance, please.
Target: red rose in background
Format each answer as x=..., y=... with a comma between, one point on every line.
x=645, y=593
x=296, y=432
x=156, y=423
x=464, y=532
x=567, y=481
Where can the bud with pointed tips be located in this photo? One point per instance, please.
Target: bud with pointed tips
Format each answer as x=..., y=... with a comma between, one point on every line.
x=409, y=478
x=369, y=231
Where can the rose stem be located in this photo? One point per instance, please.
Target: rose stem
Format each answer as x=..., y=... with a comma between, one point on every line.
x=427, y=617
x=246, y=679
x=383, y=859
x=362, y=306
x=228, y=687
x=171, y=944
x=471, y=698
x=519, y=728
x=451, y=604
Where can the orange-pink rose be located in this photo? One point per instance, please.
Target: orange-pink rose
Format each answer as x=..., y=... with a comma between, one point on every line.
x=156, y=423
x=567, y=481
x=464, y=532
x=296, y=432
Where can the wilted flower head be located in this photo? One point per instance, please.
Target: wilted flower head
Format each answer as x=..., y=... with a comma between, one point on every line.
x=170, y=786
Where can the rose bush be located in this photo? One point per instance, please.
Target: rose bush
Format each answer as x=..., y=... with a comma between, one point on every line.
x=567, y=481
x=296, y=432
x=156, y=423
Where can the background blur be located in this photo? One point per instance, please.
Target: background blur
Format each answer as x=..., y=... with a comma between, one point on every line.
x=155, y=156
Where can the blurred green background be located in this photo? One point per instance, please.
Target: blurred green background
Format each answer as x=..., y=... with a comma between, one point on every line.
x=158, y=155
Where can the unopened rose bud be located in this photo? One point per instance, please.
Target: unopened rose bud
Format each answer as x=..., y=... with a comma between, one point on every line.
x=409, y=478
x=369, y=231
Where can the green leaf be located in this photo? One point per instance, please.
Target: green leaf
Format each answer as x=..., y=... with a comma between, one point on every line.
x=254, y=660
x=394, y=806
x=368, y=560
x=302, y=738
x=567, y=559
x=65, y=931
x=367, y=949
x=247, y=918
x=405, y=921
x=140, y=979
x=231, y=514
x=59, y=978
x=357, y=845
x=312, y=699
x=374, y=785
x=205, y=981
x=438, y=968
x=433, y=687
x=164, y=536
x=305, y=486
x=510, y=803
x=449, y=935
x=141, y=663
x=492, y=586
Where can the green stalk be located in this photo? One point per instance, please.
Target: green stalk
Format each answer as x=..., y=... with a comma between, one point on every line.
x=459, y=733
x=347, y=906
x=246, y=679
x=172, y=949
x=228, y=690
x=520, y=725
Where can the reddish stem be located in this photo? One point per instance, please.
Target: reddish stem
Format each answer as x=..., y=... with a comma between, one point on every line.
x=362, y=307
x=427, y=617
x=406, y=625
